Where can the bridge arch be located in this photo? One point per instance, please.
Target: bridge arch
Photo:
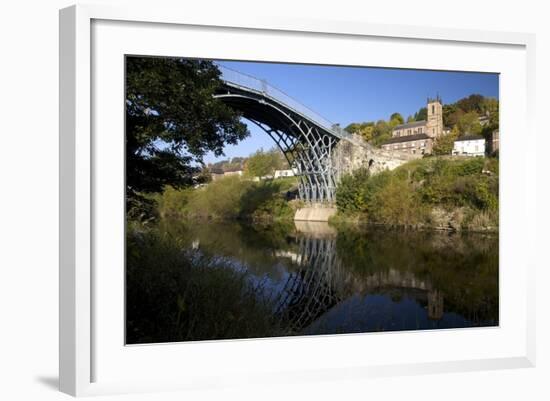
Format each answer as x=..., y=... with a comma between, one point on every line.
x=306, y=139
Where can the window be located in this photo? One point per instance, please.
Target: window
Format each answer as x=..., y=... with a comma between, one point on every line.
x=433, y=109
x=420, y=130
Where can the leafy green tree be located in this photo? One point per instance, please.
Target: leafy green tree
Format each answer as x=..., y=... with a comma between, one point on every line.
x=172, y=121
x=421, y=114
x=410, y=119
x=397, y=118
x=444, y=144
x=352, y=128
x=471, y=103
x=366, y=132
x=382, y=132
x=350, y=193
x=490, y=105
x=262, y=163
x=468, y=124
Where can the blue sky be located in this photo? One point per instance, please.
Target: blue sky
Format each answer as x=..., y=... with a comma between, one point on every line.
x=355, y=94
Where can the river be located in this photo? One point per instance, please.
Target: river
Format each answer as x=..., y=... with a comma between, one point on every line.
x=325, y=280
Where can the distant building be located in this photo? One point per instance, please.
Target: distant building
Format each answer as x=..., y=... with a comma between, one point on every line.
x=470, y=145
x=417, y=137
x=484, y=119
x=285, y=173
x=238, y=173
x=415, y=144
x=216, y=173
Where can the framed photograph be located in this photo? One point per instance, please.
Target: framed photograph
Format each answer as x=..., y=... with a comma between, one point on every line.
x=285, y=200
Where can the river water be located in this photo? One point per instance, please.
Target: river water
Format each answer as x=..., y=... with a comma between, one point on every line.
x=325, y=280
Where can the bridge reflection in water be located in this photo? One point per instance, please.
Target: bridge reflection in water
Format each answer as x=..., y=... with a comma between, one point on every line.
x=322, y=280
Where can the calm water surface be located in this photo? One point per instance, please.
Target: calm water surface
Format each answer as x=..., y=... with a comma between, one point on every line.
x=323, y=280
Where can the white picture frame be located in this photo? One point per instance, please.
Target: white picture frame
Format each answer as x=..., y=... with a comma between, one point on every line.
x=82, y=346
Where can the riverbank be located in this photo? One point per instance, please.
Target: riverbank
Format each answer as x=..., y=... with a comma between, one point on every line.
x=440, y=193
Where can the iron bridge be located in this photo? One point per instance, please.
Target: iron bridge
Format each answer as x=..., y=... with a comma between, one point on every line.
x=306, y=139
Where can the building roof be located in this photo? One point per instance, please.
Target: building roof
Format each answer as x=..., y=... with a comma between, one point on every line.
x=469, y=138
x=411, y=125
x=407, y=138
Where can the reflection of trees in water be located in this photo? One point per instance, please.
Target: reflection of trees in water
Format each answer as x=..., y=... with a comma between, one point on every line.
x=440, y=272
x=314, y=267
x=463, y=268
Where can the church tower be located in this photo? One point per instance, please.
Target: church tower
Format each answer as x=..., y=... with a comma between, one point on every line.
x=434, y=125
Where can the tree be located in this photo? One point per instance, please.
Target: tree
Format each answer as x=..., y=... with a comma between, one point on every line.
x=451, y=118
x=471, y=103
x=421, y=114
x=366, y=132
x=468, y=124
x=352, y=128
x=444, y=144
x=410, y=119
x=262, y=164
x=381, y=133
x=397, y=118
x=172, y=121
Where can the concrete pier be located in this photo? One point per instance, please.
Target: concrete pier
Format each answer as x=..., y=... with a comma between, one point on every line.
x=315, y=213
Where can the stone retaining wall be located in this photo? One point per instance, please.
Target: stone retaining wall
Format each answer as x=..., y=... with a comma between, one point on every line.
x=351, y=155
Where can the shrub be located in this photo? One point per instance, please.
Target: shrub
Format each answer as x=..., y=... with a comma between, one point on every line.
x=350, y=193
x=396, y=204
x=406, y=195
x=231, y=198
x=221, y=199
x=171, y=202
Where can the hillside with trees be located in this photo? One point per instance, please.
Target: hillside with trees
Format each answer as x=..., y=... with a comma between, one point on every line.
x=462, y=117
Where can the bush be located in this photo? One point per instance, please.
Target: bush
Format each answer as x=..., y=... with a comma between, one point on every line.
x=221, y=199
x=397, y=204
x=171, y=202
x=231, y=198
x=407, y=195
x=350, y=193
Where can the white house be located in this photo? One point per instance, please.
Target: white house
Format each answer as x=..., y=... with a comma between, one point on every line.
x=470, y=145
x=285, y=173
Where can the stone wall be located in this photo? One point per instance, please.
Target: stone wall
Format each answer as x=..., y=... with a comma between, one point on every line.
x=350, y=155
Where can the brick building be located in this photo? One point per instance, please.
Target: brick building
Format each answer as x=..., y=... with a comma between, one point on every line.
x=417, y=137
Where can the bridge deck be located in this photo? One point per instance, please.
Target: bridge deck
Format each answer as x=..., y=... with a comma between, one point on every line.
x=262, y=87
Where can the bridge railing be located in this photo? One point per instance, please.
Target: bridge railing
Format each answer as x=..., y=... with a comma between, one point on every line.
x=249, y=82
